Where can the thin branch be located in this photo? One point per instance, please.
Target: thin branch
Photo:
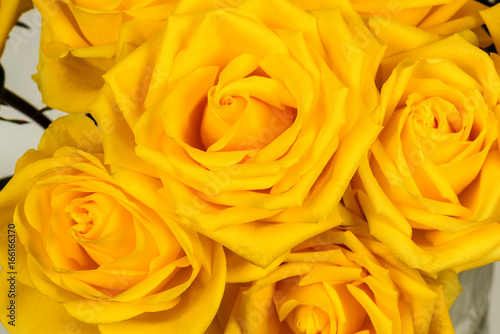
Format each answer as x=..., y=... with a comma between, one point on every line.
x=27, y=109
x=44, y=109
x=23, y=25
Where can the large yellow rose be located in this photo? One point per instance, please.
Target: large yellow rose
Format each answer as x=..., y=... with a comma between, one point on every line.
x=79, y=43
x=254, y=121
x=441, y=17
x=340, y=282
x=98, y=253
x=431, y=188
x=10, y=10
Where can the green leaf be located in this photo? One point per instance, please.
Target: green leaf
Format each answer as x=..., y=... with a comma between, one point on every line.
x=4, y=181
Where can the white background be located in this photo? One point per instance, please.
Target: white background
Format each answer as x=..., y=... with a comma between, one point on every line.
x=19, y=62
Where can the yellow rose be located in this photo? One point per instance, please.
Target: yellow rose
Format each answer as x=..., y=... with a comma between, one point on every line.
x=10, y=10
x=441, y=17
x=79, y=43
x=97, y=252
x=341, y=282
x=430, y=188
x=254, y=121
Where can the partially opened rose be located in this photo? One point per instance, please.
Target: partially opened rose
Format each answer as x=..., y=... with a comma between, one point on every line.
x=431, y=188
x=79, y=43
x=10, y=10
x=340, y=282
x=254, y=121
x=94, y=248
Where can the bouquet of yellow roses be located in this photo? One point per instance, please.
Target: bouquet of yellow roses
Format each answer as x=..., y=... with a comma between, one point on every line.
x=253, y=166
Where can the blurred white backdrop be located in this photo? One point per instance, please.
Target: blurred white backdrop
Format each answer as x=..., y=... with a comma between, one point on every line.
x=19, y=62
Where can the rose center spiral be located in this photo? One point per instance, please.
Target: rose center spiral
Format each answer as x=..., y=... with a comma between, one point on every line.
x=437, y=113
x=247, y=109
x=81, y=211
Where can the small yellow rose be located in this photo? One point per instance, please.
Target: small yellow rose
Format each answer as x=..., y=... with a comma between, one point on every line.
x=98, y=252
x=341, y=282
x=255, y=122
x=431, y=188
x=79, y=44
x=10, y=10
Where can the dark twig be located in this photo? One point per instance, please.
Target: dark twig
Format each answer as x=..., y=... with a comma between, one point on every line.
x=27, y=109
x=23, y=25
x=44, y=109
